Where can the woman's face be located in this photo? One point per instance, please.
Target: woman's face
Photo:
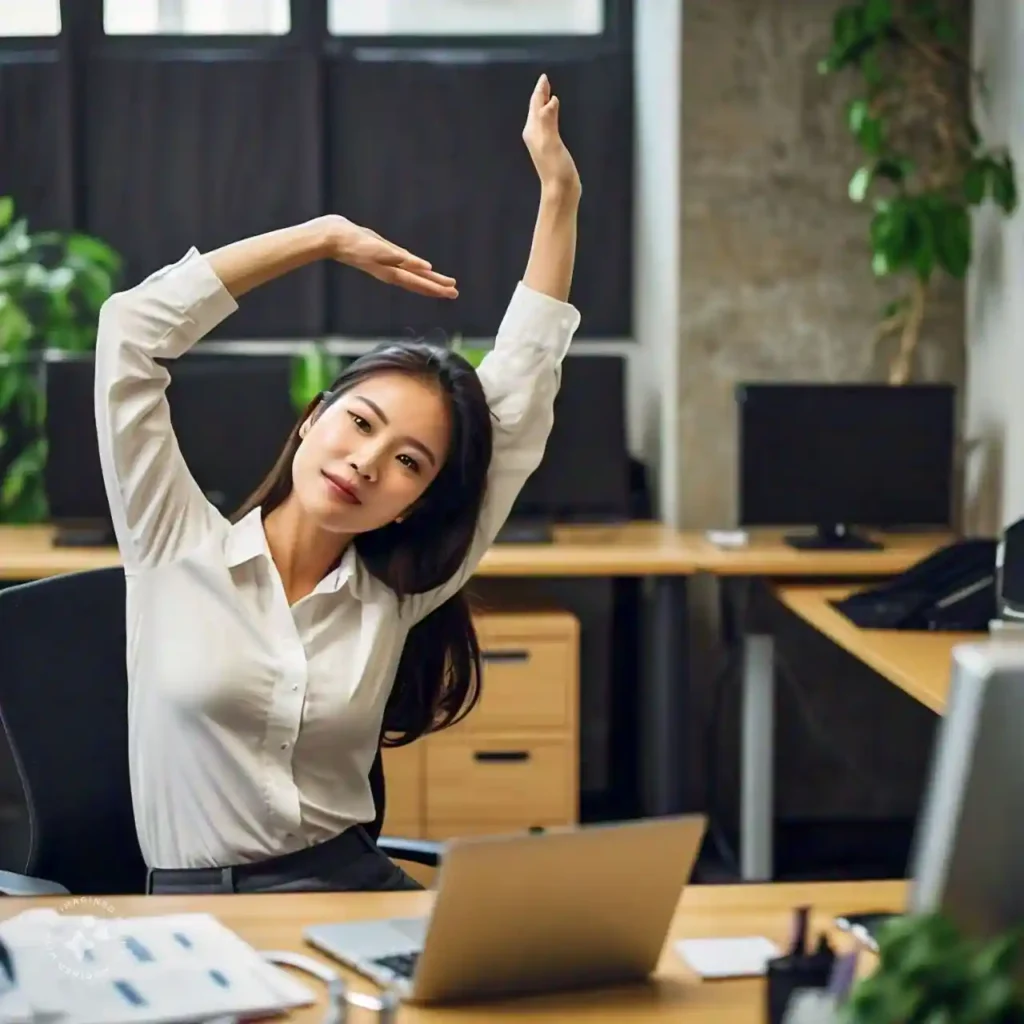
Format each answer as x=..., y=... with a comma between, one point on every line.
x=372, y=453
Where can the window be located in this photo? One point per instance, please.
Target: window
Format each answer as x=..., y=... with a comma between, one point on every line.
x=194, y=17
x=29, y=18
x=465, y=17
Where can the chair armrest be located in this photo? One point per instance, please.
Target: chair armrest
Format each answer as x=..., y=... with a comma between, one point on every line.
x=13, y=884
x=418, y=851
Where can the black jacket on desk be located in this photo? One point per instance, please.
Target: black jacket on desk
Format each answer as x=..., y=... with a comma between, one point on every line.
x=952, y=590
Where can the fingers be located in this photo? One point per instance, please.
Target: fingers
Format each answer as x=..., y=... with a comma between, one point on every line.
x=432, y=275
x=395, y=256
x=422, y=284
x=541, y=92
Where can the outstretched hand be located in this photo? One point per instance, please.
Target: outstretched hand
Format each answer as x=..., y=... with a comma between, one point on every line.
x=551, y=158
x=365, y=250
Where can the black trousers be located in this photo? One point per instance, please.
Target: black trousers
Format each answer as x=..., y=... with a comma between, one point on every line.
x=350, y=862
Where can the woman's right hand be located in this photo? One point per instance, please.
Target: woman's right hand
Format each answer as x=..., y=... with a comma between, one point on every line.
x=365, y=250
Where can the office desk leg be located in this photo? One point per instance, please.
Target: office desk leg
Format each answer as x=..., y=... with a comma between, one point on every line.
x=757, y=759
x=666, y=705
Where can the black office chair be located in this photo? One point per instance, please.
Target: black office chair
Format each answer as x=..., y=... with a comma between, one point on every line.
x=64, y=709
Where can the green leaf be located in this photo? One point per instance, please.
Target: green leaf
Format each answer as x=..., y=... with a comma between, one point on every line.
x=1003, y=183
x=857, y=113
x=10, y=385
x=16, y=329
x=91, y=250
x=313, y=371
x=877, y=15
x=6, y=210
x=975, y=183
x=847, y=25
x=871, y=67
x=953, y=239
x=872, y=136
x=26, y=464
x=860, y=183
x=15, y=243
x=923, y=253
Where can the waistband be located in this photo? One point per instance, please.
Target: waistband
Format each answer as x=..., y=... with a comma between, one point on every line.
x=348, y=845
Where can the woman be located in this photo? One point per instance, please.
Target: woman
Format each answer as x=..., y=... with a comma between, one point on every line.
x=267, y=655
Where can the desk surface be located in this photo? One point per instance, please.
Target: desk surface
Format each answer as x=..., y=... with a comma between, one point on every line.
x=632, y=549
x=916, y=662
x=276, y=922
x=767, y=554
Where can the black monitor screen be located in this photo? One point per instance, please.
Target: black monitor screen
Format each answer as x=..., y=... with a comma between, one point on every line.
x=856, y=454
x=231, y=416
x=584, y=475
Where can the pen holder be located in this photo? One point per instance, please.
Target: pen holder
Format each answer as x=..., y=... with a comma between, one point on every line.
x=789, y=974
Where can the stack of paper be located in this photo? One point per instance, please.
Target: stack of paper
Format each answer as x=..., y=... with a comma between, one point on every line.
x=74, y=969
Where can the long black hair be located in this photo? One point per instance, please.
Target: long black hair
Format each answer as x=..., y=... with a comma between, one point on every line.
x=438, y=678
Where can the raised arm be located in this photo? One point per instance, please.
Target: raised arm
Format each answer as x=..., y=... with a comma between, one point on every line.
x=521, y=374
x=158, y=510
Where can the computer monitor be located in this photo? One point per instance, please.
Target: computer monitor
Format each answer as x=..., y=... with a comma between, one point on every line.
x=584, y=476
x=231, y=415
x=834, y=457
x=968, y=855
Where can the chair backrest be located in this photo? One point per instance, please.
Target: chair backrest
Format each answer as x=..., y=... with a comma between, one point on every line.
x=63, y=705
x=64, y=708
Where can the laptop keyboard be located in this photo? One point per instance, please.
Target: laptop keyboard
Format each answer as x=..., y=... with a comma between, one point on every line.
x=402, y=964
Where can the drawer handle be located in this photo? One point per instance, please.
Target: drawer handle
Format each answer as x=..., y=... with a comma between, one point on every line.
x=505, y=656
x=501, y=755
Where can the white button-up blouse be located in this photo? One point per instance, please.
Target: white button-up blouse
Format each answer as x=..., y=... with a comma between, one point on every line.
x=253, y=724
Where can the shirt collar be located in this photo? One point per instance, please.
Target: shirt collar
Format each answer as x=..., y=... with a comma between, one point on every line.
x=247, y=540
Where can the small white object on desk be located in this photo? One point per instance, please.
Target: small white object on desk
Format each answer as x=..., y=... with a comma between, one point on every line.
x=745, y=957
x=728, y=538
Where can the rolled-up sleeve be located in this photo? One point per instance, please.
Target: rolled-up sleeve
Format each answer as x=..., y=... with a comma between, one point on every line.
x=158, y=510
x=520, y=377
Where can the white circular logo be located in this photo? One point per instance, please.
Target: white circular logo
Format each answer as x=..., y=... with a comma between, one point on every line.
x=78, y=945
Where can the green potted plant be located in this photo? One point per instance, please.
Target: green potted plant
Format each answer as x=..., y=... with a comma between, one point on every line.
x=925, y=162
x=52, y=285
x=929, y=972
x=313, y=370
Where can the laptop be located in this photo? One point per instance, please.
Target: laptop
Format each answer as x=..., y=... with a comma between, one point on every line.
x=538, y=912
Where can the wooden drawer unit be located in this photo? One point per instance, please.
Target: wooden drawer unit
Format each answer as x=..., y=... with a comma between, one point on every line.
x=513, y=763
x=498, y=783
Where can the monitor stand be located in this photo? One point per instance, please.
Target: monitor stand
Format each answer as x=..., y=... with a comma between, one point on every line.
x=526, y=531
x=835, y=537
x=83, y=535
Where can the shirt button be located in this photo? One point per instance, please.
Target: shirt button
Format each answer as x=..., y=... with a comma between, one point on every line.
x=295, y=686
x=284, y=746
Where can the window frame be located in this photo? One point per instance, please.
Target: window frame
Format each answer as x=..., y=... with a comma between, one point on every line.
x=82, y=31
x=617, y=32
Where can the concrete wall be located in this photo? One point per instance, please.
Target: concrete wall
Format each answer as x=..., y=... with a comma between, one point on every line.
x=995, y=306
x=776, y=282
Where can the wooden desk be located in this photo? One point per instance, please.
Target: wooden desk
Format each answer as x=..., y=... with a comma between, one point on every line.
x=633, y=549
x=277, y=921
x=767, y=555
x=917, y=662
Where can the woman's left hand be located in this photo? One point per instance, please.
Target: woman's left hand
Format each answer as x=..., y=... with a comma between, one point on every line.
x=553, y=161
